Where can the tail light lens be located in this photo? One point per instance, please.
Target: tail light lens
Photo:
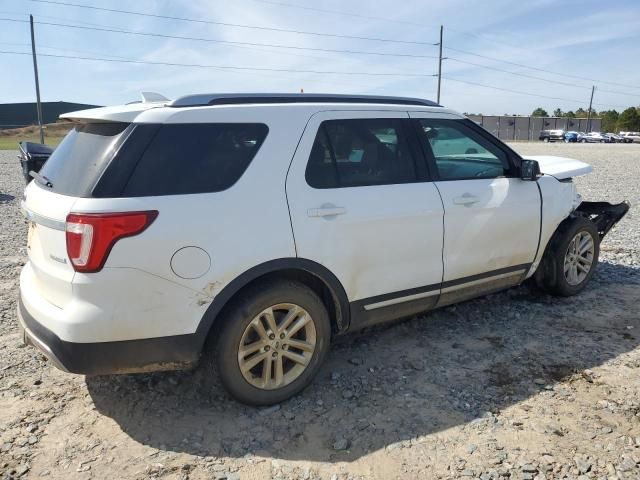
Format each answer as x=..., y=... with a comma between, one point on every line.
x=91, y=236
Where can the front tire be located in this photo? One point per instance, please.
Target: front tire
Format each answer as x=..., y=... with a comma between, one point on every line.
x=272, y=343
x=571, y=258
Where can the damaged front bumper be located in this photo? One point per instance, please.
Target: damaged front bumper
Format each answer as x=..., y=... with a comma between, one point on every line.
x=603, y=214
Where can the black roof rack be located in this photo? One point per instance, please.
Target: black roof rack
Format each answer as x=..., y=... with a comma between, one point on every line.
x=205, y=99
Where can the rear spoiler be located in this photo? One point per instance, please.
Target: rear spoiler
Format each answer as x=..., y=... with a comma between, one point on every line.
x=119, y=113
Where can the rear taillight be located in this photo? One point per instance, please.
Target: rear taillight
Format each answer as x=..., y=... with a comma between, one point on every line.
x=91, y=236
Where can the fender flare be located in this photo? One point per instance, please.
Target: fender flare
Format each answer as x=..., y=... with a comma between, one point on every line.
x=273, y=266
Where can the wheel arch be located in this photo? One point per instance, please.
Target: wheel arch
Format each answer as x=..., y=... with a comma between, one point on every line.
x=314, y=275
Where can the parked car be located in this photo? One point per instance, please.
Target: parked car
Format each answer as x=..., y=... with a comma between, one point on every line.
x=551, y=135
x=614, y=138
x=630, y=137
x=572, y=137
x=595, y=137
x=259, y=227
x=32, y=156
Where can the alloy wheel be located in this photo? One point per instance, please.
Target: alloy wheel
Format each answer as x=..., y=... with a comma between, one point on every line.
x=277, y=346
x=579, y=258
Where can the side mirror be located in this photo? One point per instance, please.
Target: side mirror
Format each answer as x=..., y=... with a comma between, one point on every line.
x=530, y=170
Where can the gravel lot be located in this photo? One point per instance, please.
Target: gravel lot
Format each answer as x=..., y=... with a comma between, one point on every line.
x=516, y=385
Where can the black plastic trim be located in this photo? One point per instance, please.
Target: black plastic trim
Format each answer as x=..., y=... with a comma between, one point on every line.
x=604, y=214
x=101, y=358
x=360, y=317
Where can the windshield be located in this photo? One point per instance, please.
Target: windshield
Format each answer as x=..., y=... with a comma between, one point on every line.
x=77, y=163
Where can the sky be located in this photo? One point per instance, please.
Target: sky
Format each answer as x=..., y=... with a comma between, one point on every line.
x=588, y=42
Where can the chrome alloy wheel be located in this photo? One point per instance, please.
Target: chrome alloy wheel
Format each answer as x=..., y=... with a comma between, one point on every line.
x=579, y=258
x=277, y=346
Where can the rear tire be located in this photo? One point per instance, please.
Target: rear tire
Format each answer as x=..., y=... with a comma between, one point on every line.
x=570, y=259
x=272, y=343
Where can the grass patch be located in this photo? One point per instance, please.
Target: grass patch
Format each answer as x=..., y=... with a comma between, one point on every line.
x=53, y=134
x=11, y=143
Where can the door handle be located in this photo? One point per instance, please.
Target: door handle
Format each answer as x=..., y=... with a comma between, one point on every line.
x=466, y=199
x=326, y=211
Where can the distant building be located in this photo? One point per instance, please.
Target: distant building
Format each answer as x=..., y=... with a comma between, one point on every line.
x=507, y=127
x=15, y=115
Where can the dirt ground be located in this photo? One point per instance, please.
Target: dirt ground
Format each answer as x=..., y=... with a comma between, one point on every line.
x=516, y=385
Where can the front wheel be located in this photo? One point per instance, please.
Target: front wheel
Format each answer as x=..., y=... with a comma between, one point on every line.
x=273, y=342
x=571, y=258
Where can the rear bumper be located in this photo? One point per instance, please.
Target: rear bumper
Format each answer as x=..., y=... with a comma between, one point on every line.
x=145, y=355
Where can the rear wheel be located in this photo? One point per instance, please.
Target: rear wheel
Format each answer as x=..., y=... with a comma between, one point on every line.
x=545, y=139
x=571, y=258
x=273, y=341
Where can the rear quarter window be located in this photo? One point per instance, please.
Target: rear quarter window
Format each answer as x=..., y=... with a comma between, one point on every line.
x=195, y=158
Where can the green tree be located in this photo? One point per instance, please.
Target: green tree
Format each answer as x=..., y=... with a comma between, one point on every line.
x=558, y=112
x=609, y=120
x=570, y=114
x=581, y=113
x=629, y=120
x=539, y=112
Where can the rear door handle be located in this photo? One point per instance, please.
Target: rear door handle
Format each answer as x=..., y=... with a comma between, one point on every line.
x=326, y=211
x=466, y=199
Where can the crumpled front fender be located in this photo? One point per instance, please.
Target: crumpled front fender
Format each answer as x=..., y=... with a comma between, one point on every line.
x=604, y=214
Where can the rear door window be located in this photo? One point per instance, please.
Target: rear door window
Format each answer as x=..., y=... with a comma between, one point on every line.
x=359, y=152
x=195, y=158
x=76, y=164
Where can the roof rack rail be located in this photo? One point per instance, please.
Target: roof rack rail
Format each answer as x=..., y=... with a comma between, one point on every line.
x=207, y=99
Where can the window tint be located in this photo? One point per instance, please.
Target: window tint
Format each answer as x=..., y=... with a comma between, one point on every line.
x=350, y=153
x=75, y=165
x=460, y=152
x=195, y=158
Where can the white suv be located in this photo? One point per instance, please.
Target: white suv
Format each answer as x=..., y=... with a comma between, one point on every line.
x=260, y=226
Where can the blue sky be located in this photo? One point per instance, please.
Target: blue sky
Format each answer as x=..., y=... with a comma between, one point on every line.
x=592, y=39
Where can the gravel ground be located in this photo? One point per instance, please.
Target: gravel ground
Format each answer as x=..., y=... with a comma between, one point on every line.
x=516, y=385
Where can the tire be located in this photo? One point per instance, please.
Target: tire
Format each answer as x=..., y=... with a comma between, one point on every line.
x=552, y=274
x=251, y=309
x=603, y=141
x=545, y=140
x=583, y=141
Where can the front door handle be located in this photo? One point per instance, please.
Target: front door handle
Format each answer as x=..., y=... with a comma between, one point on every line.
x=328, y=211
x=466, y=199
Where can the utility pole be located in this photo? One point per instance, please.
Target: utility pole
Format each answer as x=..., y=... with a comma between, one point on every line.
x=440, y=64
x=593, y=89
x=35, y=73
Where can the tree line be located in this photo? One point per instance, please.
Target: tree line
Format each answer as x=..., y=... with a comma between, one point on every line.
x=612, y=121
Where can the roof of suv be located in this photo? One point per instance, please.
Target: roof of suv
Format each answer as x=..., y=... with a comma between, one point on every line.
x=262, y=98
x=164, y=109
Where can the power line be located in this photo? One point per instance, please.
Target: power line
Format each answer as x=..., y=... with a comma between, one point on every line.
x=344, y=14
x=222, y=67
x=215, y=40
x=227, y=24
x=381, y=19
x=519, y=92
x=539, y=69
x=539, y=78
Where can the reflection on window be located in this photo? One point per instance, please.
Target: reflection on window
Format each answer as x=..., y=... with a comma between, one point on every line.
x=461, y=153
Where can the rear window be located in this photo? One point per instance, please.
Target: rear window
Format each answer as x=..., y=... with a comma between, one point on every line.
x=75, y=165
x=195, y=158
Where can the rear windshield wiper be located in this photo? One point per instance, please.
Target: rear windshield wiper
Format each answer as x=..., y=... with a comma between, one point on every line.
x=41, y=179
